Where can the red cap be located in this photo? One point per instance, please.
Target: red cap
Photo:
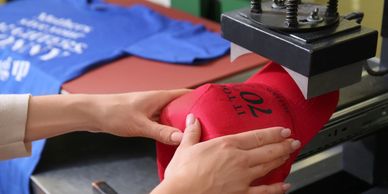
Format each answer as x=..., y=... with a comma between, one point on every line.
x=270, y=98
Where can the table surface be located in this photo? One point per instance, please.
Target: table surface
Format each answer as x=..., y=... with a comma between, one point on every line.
x=71, y=162
x=136, y=74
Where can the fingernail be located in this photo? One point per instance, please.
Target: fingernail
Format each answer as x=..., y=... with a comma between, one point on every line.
x=190, y=119
x=286, y=186
x=285, y=133
x=176, y=137
x=295, y=144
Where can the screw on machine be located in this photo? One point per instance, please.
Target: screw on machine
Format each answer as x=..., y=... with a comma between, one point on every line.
x=279, y=4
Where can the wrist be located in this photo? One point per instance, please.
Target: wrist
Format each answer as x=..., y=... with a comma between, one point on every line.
x=103, y=112
x=167, y=187
x=84, y=112
x=177, y=186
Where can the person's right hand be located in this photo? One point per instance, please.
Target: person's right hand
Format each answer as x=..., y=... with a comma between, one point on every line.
x=228, y=164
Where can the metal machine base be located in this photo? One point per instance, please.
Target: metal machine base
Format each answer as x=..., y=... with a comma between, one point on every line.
x=357, y=166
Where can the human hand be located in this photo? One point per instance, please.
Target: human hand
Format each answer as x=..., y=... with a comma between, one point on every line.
x=228, y=164
x=137, y=114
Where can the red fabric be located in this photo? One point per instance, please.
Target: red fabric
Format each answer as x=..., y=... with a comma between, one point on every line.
x=269, y=98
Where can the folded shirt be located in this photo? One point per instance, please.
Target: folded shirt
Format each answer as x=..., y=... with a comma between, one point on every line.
x=269, y=98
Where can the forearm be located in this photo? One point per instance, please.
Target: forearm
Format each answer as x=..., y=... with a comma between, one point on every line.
x=50, y=116
x=126, y=115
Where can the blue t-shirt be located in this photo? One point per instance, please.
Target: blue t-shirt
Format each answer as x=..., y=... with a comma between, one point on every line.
x=44, y=43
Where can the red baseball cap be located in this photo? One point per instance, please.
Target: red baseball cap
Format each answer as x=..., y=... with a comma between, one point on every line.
x=269, y=98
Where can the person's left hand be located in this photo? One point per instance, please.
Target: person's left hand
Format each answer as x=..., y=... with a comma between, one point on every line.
x=137, y=114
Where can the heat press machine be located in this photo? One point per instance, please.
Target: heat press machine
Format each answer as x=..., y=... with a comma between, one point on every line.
x=320, y=49
x=324, y=51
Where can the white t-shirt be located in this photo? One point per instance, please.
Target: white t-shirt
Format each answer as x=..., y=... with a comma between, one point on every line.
x=13, y=119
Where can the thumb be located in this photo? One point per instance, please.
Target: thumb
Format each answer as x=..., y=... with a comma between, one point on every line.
x=178, y=92
x=165, y=134
x=192, y=133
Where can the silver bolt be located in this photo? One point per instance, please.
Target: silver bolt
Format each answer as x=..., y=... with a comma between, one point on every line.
x=314, y=16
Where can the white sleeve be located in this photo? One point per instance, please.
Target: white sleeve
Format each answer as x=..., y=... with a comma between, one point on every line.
x=13, y=120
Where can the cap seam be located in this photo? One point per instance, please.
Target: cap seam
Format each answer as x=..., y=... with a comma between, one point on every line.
x=199, y=98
